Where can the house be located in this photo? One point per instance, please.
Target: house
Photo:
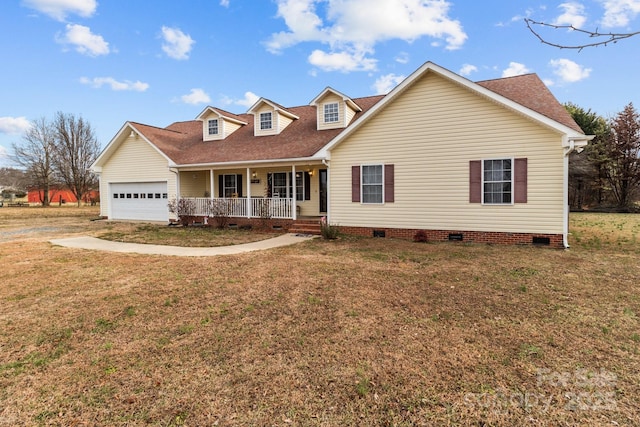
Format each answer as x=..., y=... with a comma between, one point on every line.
x=482, y=162
x=61, y=196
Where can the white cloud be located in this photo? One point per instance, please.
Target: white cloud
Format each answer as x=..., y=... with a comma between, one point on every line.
x=14, y=125
x=618, y=13
x=573, y=15
x=352, y=28
x=342, y=61
x=98, y=82
x=402, y=58
x=4, y=155
x=249, y=99
x=84, y=40
x=177, y=44
x=384, y=84
x=224, y=3
x=195, y=97
x=515, y=69
x=467, y=69
x=59, y=9
x=569, y=71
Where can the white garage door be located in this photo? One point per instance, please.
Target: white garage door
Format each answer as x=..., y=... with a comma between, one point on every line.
x=139, y=201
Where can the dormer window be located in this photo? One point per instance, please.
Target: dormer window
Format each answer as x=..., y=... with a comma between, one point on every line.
x=331, y=113
x=266, y=121
x=213, y=127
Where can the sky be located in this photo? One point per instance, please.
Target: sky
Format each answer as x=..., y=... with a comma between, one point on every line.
x=164, y=61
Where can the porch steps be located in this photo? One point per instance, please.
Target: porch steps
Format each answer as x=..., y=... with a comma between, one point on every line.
x=306, y=226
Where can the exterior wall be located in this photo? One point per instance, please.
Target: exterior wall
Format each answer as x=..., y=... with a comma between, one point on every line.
x=229, y=127
x=225, y=127
x=194, y=184
x=430, y=133
x=282, y=122
x=125, y=166
x=328, y=99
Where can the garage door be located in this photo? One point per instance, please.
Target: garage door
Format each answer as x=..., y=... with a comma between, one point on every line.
x=139, y=201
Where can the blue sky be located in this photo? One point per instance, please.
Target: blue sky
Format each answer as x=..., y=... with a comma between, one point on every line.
x=164, y=61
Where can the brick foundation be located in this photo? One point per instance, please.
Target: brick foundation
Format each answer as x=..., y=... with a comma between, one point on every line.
x=490, y=237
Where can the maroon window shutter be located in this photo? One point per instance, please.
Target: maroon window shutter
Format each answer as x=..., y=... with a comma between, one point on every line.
x=389, y=189
x=355, y=184
x=520, y=182
x=475, y=181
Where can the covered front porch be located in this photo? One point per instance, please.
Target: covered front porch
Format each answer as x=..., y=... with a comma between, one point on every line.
x=268, y=192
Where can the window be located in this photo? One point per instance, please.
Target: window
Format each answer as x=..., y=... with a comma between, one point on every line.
x=331, y=112
x=230, y=186
x=265, y=121
x=115, y=195
x=497, y=181
x=213, y=127
x=279, y=185
x=372, y=184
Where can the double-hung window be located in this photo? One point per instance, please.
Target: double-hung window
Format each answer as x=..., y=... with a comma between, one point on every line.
x=213, y=127
x=372, y=184
x=266, y=121
x=331, y=114
x=497, y=181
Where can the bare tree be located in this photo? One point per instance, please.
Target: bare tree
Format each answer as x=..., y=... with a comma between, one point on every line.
x=76, y=149
x=623, y=149
x=599, y=38
x=36, y=155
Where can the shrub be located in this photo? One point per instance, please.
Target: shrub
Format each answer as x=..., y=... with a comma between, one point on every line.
x=184, y=209
x=218, y=209
x=327, y=230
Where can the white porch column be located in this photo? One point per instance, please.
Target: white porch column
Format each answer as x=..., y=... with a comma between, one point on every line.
x=294, y=211
x=211, y=184
x=249, y=193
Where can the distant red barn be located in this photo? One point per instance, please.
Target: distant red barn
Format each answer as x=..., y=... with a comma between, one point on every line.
x=61, y=196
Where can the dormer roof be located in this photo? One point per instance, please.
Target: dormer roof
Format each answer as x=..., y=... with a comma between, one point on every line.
x=328, y=90
x=222, y=114
x=276, y=107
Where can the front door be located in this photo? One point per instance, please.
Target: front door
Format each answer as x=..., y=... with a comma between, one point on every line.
x=323, y=190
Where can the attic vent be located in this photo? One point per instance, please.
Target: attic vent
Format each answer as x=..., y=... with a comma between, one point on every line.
x=378, y=233
x=545, y=241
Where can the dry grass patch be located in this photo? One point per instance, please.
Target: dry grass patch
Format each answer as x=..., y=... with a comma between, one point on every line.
x=183, y=236
x=348, y=332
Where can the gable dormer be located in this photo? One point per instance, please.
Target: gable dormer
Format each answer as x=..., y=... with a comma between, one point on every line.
x=270, y=118
x=334, y=110
x=218, y=124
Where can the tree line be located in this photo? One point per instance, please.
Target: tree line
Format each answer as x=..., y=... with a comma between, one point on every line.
x=607, y=174
x=58, y=152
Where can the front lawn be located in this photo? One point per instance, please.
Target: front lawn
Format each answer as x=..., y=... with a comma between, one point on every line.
x=358, y=331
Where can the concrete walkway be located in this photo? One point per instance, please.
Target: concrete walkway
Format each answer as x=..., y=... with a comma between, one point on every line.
x=93, y=243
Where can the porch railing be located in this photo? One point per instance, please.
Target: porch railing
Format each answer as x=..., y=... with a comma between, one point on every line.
x=256, y=207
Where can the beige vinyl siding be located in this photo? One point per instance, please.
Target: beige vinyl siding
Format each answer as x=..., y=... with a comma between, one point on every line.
x=349, y=113
x=205, y=128
x=134, y=161
x=274, y=121
x=430, y=133
x=229, y=127
x=194, y=184
x=225, y=127
x=282, y=122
